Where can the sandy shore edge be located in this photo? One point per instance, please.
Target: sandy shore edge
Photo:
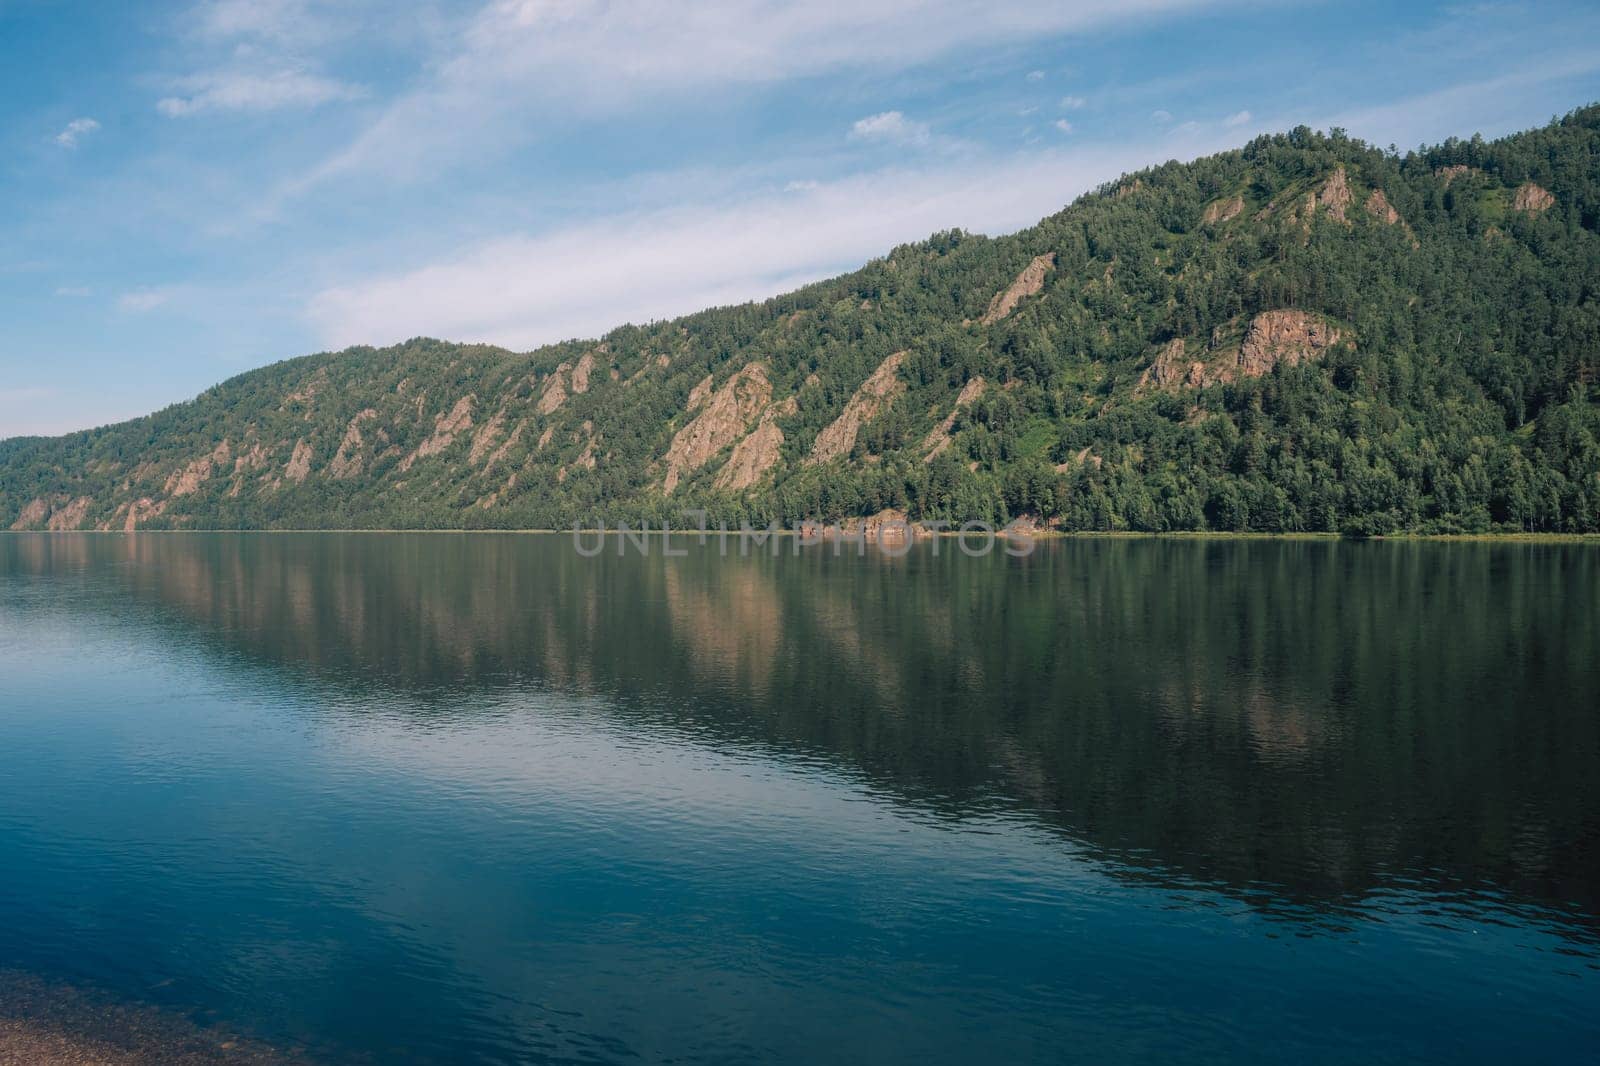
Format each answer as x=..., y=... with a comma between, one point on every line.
x=43, y=1024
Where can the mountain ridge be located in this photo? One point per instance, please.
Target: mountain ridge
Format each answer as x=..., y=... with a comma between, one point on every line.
x=1303, y=334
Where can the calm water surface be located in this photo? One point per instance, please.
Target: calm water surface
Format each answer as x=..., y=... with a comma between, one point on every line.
x=477, y=799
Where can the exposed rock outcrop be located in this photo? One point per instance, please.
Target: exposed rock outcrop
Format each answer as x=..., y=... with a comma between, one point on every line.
x=1084, y=457
x=56, y=513
x=752, y=458
x=1378, y=207
x=1029, y=283
x=888, y=524
x=187, y=480
x=70, y=515
x=493, y=498
x=874, y=395
x=1172, y=369
x=498, y=456
x=446, y=428
x=938, y=438
x=255, y=457
x=726, y=417
x=299, y=464
x=757, y=453
x=581, y=372
x=555, y=391
x=486, y=436
x=698, y=394
x=141, y=510
x=1532, y=199
x=307, y=392
x=1334, y=196
x=1452, y=172
x=586, y=459
x=34, y=513
x=1221, y=211
x=1288, y=337
x=350, y=459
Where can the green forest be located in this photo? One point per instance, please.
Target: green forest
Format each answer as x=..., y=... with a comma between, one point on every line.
x=1307, y=334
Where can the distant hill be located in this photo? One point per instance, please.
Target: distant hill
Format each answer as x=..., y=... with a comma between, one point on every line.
x=1304, y=334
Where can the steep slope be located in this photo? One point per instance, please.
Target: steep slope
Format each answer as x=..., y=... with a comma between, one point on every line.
x=1305, y=334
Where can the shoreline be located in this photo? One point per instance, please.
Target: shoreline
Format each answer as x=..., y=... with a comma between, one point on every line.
x=997, y=531
x=43, y=1023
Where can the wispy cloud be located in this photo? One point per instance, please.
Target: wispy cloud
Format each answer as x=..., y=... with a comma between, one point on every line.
x=276, y=20
x=518, y=62
x=1063, y=125
x=890, y=126
x=525, y=290
x=1161, y=116
x=260, y=55
x=75, y=131
x=141, y=300
x=1073, y=103
x=1238, y=118
x=240, y=91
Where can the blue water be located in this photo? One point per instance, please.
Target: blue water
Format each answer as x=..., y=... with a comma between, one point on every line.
x=478, y=799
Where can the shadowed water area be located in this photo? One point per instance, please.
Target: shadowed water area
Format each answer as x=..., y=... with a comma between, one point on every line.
x=448, y=798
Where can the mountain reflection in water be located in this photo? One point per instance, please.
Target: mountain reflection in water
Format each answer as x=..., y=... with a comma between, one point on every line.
x=1309, y=730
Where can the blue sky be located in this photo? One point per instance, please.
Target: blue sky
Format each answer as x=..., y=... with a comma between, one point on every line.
x=191, y=189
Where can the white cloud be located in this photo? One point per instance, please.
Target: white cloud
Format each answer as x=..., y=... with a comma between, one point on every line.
x=238, y=91
x=1073, y=103
x=1238, y=118
x=642, y=44
x=75, y=131
x=889, y=126
x=1036, y=75
x=518, y=62
x=301, y=27
x=264, y=55
x=1162, y=116
x=141, y=300
x=525, y=290
x=1063, y=125
x=268, y=19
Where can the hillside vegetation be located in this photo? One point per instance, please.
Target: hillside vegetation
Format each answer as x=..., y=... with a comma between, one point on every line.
x=1305, y=334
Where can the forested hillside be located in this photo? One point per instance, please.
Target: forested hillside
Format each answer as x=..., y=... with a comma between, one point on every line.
x=1305, y=334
